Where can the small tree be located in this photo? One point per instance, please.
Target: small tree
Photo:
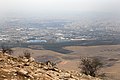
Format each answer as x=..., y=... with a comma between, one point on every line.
x=50, y=63
x=20, y=56
x=90, y=66
x=6, y=50
x=27, y=54
x=10, y=51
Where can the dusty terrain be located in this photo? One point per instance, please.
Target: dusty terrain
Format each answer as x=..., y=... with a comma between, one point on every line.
x=108, y=54
x=26, y=68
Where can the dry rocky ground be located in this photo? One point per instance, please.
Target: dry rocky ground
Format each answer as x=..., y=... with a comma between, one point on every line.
x=13, y=68
x=108, y=54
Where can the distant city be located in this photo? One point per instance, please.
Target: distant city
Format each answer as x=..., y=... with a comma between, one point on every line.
x=20, y=30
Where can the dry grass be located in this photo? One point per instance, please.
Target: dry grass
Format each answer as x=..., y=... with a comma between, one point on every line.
x=71, y=61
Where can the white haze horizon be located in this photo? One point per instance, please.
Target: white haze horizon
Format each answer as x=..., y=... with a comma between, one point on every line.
x=28, y=8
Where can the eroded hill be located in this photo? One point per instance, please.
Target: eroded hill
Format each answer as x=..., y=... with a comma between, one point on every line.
x=13, y=68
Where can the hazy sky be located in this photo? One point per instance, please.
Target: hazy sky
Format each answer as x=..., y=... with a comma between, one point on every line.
x=51, y=7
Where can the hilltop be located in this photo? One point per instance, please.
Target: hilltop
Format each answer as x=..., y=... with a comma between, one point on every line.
x=21, y=68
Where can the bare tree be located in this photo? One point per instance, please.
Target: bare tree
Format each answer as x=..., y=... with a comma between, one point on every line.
x=50, y=63
x=90, y=66
x=27, y=54
x=6, y=49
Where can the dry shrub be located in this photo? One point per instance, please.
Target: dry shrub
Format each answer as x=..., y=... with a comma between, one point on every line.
x=90, y=66
x=27, y=54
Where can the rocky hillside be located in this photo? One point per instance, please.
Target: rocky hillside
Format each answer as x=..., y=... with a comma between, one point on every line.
x=13, y=68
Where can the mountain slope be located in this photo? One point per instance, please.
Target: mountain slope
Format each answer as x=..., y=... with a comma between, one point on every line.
x=13, y=68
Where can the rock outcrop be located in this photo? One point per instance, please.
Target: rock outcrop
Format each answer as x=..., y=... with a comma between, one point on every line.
x=13, y=68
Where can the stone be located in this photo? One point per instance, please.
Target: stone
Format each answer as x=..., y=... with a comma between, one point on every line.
x=28, y=69
x=26, y=60
x=31, y=59
x=15, y=74
x=22, y=72
x=3, y=76
x=1, y=59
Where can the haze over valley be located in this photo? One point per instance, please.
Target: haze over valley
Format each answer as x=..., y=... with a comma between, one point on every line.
x=63, y=32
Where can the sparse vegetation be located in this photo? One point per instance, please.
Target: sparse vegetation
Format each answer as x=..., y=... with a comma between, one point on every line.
x=91, y=66
x=51, y=63
x=27, y=54
x=27, y=69
x=20, y=56
x=7, y=50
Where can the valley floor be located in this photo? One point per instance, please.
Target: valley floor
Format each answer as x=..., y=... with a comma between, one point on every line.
x=109, y=54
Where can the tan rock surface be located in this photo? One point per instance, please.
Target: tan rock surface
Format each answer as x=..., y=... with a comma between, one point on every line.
x=12, y=68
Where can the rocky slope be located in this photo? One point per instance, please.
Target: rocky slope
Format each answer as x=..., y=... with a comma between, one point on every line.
x=13, y=68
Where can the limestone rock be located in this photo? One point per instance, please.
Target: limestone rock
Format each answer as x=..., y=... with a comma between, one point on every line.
x=13, y=68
